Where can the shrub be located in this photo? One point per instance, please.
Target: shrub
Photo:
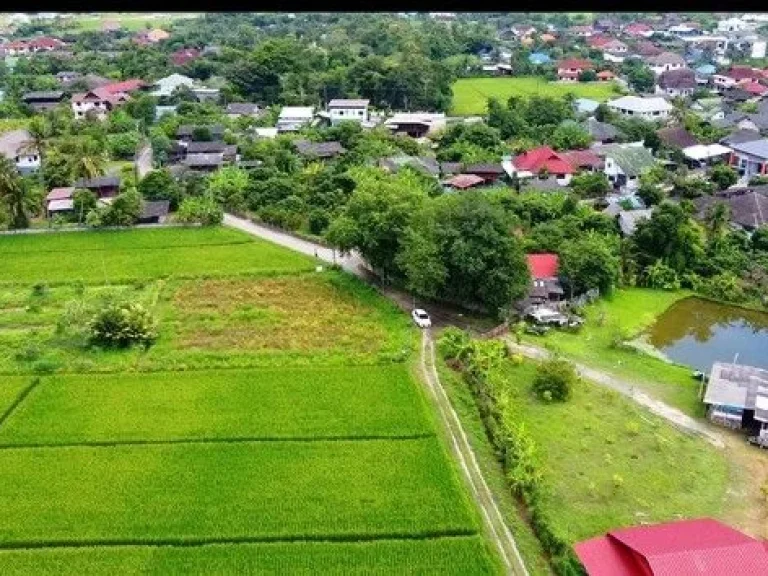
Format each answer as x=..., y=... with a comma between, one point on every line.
x=554, y=380
x=726, y=286
x=120, y=325
x=205, y=211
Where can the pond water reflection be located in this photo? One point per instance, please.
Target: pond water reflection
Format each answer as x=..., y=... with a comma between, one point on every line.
x=698, y=332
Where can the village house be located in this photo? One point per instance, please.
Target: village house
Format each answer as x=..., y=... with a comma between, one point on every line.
x=154, y=211
x=541, y=162
x=416, y=124
x=342, y=110
x=59, y=200
x=735, y=76
x=103, y=187
x=737, y=397
x=652, y=108
x=293, y=118
x=546, y=289
x=748, y=207
x=584, y=31
x=43, y=101
x=624, y=163
x=750, y=158
x=676, y=137
x=97, y=103
x=67, y=76
x=165, y=87
x=601, y=132
x=319, y=150
x=664, y=62
x=705, y=155
x=680, y=83
x=242, y=110
x=638, y=29
x=701, y=546
x=570, y=70
x=16, y=146
x=424, y=164
x=463, y=182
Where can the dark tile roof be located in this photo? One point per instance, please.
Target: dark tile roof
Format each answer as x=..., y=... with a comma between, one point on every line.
x=213, y=159
x=154, y=209
x=683, y=78
x=677, y=136
x=206, y=147
x=740, y=136
x=484, y=168
x=319, y=149
x=601, y=130
x=242, y=108
x=102, y=182
x=43, y=95
x=450, y=168
x=749, y=206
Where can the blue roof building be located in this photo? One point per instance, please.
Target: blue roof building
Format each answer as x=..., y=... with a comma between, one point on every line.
x=539, y=58
x=705, y=70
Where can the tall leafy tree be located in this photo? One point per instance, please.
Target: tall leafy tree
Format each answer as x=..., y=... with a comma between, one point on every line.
x=14, y=194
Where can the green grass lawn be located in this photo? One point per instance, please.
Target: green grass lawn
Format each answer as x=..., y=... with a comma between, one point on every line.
x=608, y=463
x=470, y=95
x=127, y=21
x=288, y=467
x=267, y=404
x=624, y=315
x=452, y=556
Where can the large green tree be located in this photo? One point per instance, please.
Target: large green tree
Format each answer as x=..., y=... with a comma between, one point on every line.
x=13, y=193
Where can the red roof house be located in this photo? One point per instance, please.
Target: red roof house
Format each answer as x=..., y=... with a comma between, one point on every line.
x=598, y=41
x=702, y=547
x=543, y=266
x=542, y=158
x=126, y=86
x=753, y=88
x=605, y=76
x=583, y=160
x=571, y=68
x=746, y=73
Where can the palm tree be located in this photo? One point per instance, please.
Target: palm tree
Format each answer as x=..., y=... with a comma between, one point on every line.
x=717, y=220
x=39, y=131
x=13, y=193
x=89, y=161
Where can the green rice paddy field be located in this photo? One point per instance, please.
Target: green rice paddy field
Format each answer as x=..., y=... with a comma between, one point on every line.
x=470, y=95
x=308, y=449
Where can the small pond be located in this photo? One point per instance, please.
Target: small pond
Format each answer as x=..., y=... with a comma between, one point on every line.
x=698, y=332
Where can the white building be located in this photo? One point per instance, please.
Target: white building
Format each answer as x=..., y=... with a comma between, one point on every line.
x=15, y=146
x=665, y=62
x=166, y=86
x=416, y=124
x=341, y=110
x=293, y=118
x=653, y=108
x=732, y=25
x=624, y=163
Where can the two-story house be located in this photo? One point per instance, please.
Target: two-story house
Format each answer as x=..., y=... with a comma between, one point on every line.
x=664, y=62
x=679, y=83
x=293, y=118
x=17, y=147
x=342, y=109
x=569, y=70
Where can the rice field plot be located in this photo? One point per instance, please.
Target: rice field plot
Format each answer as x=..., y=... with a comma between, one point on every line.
x=303, y=403
x=470, y=95
x=241, y=491
x=297, y=314
x=10, y=391
x=27, y=262
x=455, y=555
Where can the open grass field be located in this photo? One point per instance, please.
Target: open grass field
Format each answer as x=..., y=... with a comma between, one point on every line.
x=623, y=316
x=132, y=22
x=608, y=463
x=470, y=95
x=455, y=555
x=275, y=426
x=229, y=404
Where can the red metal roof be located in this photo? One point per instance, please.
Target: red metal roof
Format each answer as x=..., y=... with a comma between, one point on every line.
x=542, y=157
x=543, y=265
x=60, y=194
x=702, y=547
x=744, y=73
x=124, y=86
x=606, y=74
x=753, y=88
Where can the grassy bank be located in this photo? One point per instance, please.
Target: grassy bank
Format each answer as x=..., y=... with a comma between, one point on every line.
x=618, y=318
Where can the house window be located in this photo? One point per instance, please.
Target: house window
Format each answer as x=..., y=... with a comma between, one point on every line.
x=359, y=112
